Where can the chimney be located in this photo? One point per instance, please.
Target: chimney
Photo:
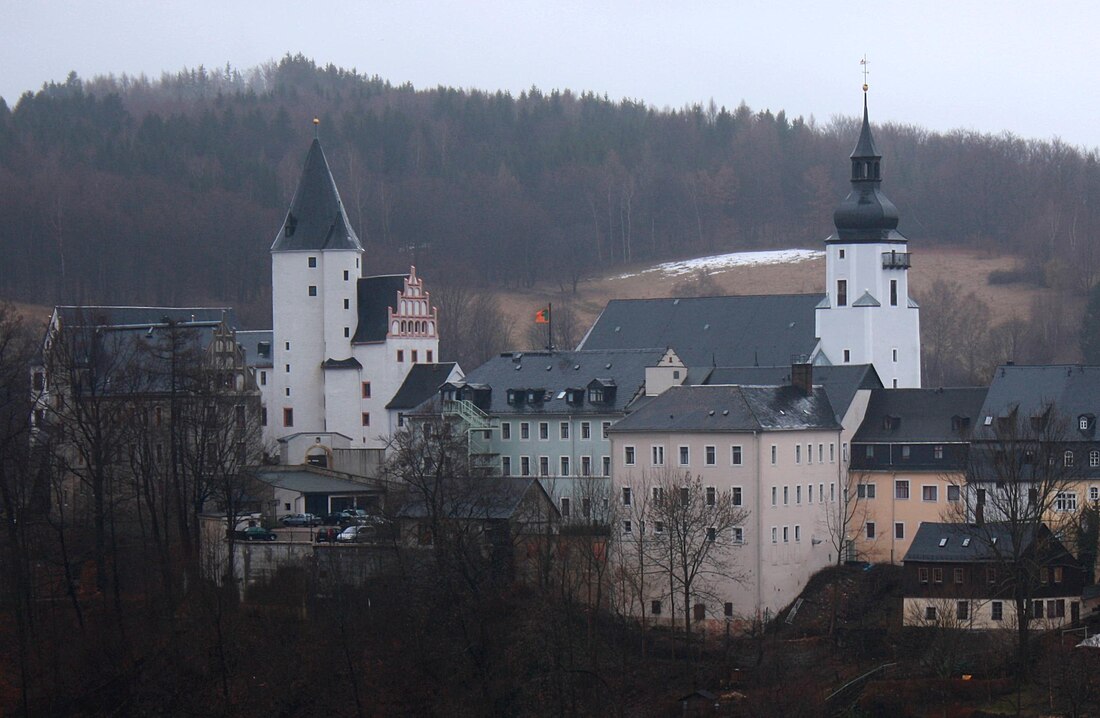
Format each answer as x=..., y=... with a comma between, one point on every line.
x=979, y=509
x=802, y=376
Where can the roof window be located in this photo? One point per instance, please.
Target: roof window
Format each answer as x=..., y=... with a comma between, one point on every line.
x=943, y=542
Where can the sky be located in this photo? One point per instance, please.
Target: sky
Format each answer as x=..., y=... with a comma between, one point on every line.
x=1029, y=68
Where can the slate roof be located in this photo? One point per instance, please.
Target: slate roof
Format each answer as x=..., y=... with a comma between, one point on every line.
x=557, y=371
x=374, y=296
x=142, y=317
x=732, y=409
x=316, y=219
x=923, y=415
x=493, y=498
x=841, y=382
x=251, y=340
x=421, y=384
x=762, y=330
x=308, y=482
x=349, y=363
x=1071, y=390
x=926, y=542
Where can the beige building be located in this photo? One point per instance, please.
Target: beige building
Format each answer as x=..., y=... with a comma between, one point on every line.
x=908, y=466
x=770, y=454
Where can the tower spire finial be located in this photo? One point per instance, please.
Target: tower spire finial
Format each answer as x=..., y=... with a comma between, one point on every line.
x=316, y=128
x=864, y=63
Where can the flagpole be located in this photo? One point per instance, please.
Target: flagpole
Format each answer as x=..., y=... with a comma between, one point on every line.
x=549, y=327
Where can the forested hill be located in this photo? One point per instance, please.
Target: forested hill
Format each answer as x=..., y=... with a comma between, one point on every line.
x=171, y=191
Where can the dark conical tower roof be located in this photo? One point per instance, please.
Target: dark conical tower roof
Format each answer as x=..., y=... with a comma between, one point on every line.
x=316, y=219
x=866, y=215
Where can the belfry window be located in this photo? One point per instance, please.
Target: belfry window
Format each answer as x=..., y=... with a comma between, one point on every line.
x=842, y=292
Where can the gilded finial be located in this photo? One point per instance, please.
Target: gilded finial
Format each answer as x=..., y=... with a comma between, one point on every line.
x=316, y=128
x=864, y=63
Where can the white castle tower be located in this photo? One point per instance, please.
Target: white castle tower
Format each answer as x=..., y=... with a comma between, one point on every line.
x=867, y=315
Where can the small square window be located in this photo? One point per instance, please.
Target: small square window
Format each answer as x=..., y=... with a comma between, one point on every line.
x=738, y=534
x=345, y=275
x=366, y=390
x=735, y=455
x=347, y=304
x=347, y=332
x=400, y=355
x=313, y=290
x=366, y=418
x=288, y=417
x=655, y=608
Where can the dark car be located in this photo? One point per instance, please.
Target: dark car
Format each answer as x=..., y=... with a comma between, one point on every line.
x=256, y=533
x=301, y=520
x=327, y=534
x=337, y=518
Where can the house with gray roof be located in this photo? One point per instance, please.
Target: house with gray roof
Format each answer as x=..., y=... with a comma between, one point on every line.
x=771, y=452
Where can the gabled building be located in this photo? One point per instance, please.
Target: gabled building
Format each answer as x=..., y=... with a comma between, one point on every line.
x=770, y=452
x=955, y=575
x=908, y=466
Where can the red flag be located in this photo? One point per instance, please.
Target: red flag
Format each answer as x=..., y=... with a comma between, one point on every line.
x=542, y=316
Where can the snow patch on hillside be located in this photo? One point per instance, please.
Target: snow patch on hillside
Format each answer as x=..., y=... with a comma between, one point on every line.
x=722, y=262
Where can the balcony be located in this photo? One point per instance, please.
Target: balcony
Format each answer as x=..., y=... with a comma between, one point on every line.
x=895, y=260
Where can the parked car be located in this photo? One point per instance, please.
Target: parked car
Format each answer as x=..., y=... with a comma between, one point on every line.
x=256, y=533
x=301, y=520
x=327, y=534
x=356, y=534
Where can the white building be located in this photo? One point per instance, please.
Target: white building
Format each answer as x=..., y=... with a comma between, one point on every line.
x=342, y=344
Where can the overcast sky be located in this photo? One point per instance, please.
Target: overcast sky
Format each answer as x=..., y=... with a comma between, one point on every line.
x=1025, y=67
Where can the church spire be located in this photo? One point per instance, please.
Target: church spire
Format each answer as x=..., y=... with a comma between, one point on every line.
x=316, y=219
x=865, y=214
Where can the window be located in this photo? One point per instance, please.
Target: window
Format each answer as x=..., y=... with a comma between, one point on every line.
x=1067, y=458
x=606, y=461
x=563, y=430
x=727, y=609
x=1037, y=609
x=1083, y=423
x=655, y=608
x=809, y=493
x=775, y=535
x=347, y=332
x=821, y=453
x=809, y=453
x=798, y=454
x=786, y=495
x=870, y=527
x=996, y=611
x=544, y=466
x=922, y=575
x=586, y=507
x=685, y=458
x=736, y=496
x=628, y=455
x=544, y=431
x=738, y=534
x=773, y=495
x=905, y=451
x=400, y=355
x=865, y=491
x=842, y=294
x=832, y=491
x=991, y=575
x=798, y=494
x=366, y=390
x=929, y=493
x=627, y=527
x=658, y=527
x=899, y=530
x=345, y=275
x=658, y=494
x=604, y=427
x=263, y=378
x=287, y=390
x=786, y=534
x=937, y=452
x=525, y=465
x=658, y=455
x=628, y=496
x=712, y=534
x=937, y=575
x=797, y=533
x=1094, y=493
x=366, y=418
x=564, y=466
x=413, y=356
x=312, y=290
x=962, y=610
x=288, y=417
x=709, y=455
x=735, y=455
x=832, y=453
x=347, y=304
x=700, y=611
x=506, y=430
x=894, y=303
x=565, y=508
x=429, y=353
x=685, y=496
x=524, y=430
x=1057, y=574
x=506, y=465
x=901, y=489
x=959, y=575
x=586, y=430
x=1065, y=501
x=847, y=356
x=712, y=495
x=287, y=368
x=842, y=254
x=312, y=262
x=870, y=451
x=930, y=613
x=586, y=466
x=1094, y=458
x=954, y=493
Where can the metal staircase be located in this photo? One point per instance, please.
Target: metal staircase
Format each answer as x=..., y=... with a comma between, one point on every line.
x=479, y=428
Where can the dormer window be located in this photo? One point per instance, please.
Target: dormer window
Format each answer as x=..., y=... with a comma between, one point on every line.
x=889, y=423
x=1085, y=422
x=595, y=394
x=960, y=423
x=535, y=396
x=516, y=396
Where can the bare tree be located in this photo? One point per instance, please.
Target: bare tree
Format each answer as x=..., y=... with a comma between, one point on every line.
x=472, y=329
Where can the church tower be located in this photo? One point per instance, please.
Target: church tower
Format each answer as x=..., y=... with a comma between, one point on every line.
x=867, y=316
x=315, y=267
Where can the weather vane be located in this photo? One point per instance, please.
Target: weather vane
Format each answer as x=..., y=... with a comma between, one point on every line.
x=865, y=71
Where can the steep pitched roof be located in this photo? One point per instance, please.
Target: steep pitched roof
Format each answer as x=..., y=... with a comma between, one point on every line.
x=919, y=415
x=374, y=295
x=421, y=384
x=762, y=330
x=557, y=371
x=1070, y=390
x=257, y=346
x=965, y=543
x=732, y=409
x=840, y=382
x=316, y=219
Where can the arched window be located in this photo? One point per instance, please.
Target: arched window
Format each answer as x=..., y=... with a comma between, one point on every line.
x=393, y=330
x=431, y=327
x=403, y=327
